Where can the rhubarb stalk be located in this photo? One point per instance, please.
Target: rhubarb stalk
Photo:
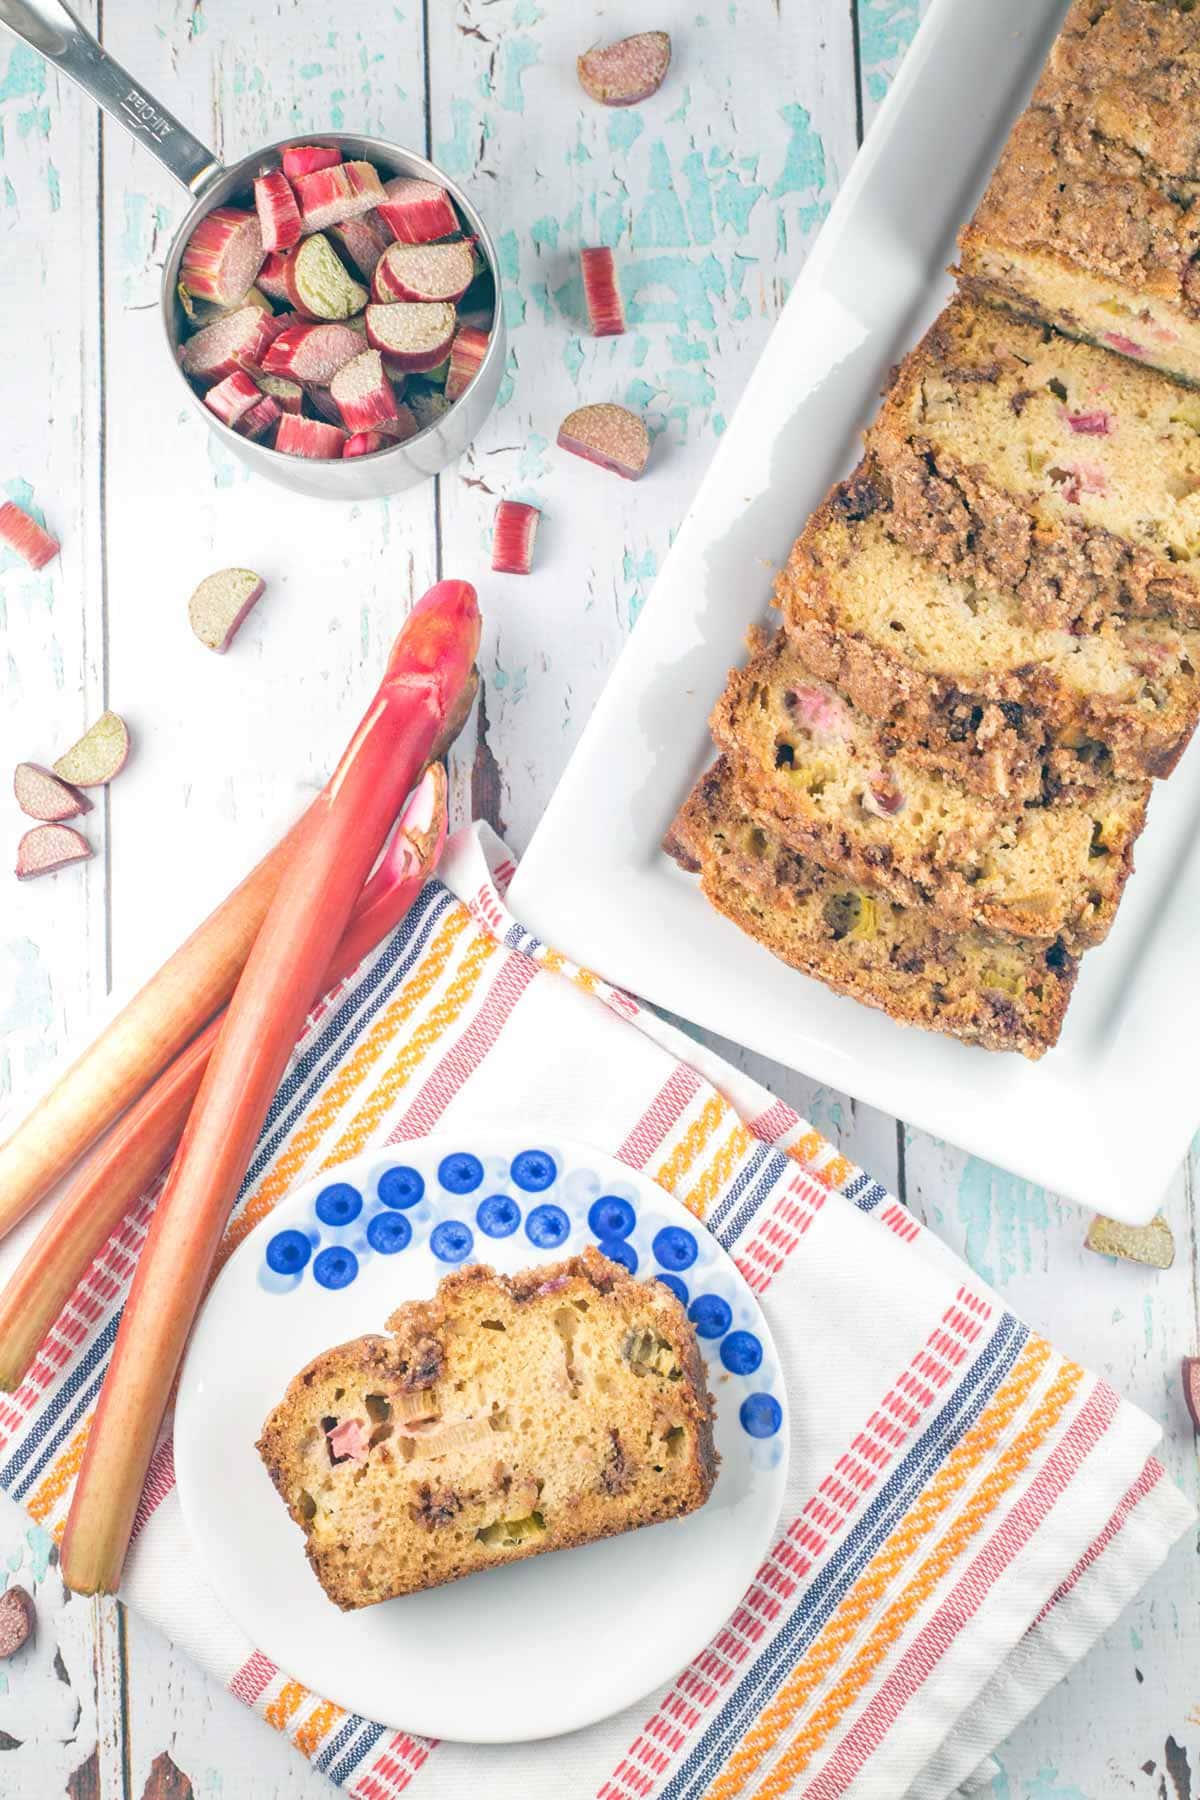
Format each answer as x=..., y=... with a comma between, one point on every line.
x=121, y=1168
x=429, y=666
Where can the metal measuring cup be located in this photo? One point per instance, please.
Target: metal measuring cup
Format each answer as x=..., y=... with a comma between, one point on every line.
x=48, y=27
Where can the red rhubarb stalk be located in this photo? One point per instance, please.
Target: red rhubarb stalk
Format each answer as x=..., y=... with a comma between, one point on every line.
x=466, y=359
x=139, y=1043
x=430, y=664
x=120, y=1169
x=223, y=256
x=302, y=159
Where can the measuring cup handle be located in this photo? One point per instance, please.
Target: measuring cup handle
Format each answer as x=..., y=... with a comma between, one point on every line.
x=50, y=28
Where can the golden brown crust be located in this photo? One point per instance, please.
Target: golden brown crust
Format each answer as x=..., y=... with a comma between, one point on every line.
x=960, y=680
x=985, y=988
x=502, y=1419
x=1129, y=70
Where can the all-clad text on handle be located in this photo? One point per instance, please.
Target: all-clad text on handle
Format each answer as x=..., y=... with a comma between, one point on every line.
x=50, y=28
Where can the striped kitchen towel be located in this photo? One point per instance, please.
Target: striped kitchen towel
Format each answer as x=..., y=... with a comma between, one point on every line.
x=966, y=1508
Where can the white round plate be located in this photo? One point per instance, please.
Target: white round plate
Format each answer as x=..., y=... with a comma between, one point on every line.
x=538, y=1647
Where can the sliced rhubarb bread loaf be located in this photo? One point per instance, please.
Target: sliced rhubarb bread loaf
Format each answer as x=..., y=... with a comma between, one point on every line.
x=820, y=772
x=1006, y=993
x=1077, y=230
x=1064, y=473
x=963, y=680
x=502, y=1418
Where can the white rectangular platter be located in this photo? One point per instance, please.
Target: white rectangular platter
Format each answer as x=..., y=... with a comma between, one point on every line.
x=595, y=882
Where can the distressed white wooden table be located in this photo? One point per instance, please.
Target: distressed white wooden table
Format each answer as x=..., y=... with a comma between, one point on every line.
x=712, y=192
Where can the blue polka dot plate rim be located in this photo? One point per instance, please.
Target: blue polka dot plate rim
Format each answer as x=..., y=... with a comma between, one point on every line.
x=331, y=1261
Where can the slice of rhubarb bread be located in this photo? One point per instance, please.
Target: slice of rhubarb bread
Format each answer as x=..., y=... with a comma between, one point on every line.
x=961, y=679
x=821, y=774
x=502, y=1418
x=1063, y=473
x=985, y=987
x=1078, y=231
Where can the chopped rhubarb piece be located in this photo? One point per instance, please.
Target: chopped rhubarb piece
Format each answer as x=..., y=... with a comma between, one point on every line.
x=221, y=603
x=424, y=272
x=261, y=420
x=287, y=395
x=319, y=284
x=50, y=847
x=272, y=277
x=223, y=256
x=349, y=1439
x=1191, y=1388
x=820, y=713
x=1152, y=1244
x=26, y=537
x=1126, y=345
x=343, y=191
x=363, y=392
x=466, y=354
x=305, y=159
x=17, y=1619
x=600, y=290
x=311, y=353
x=365, y=443
x=513, y=537
x=415, y=212
x=98, y=756
x=309, y=437
x=203, y=312
x=41, y=795
x=237, y=341
x=278, y=213
x=1090, y=424
x=414, y=335
x=883, y=795
x=622, y=74
x=610, y=436
x=233, y=396
x=364, y=242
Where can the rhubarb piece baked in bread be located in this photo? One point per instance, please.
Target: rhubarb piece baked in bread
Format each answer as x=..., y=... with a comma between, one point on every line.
x=502, y=1418
x=962, y=680
x=1064, y=473
x=1078, y=231
x=1003, y=992
x=816, y=770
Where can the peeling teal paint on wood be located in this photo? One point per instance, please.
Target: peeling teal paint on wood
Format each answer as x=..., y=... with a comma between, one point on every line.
x=1005, y=1219
x=518, y=55
x=886, y=28
x=25, y=75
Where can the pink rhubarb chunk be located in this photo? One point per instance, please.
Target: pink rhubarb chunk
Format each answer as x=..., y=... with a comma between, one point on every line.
x=621, y=74
x=303, y=159
x=237, y=341
x=345, y=191
x=466, y=357
x=513, y=537
x=363, y=393
x=311, y=353
x=605, y=311
x=233, y=396
x=1090, y=424
x=610, y=436
x=50, y=847
x=416, y=336
x=415, y=212
x=26, y=537
x=424, y=272
x=309, y=437
x=349, y=1439
x=41, y=795
x=278, y=213
x=223, y=256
